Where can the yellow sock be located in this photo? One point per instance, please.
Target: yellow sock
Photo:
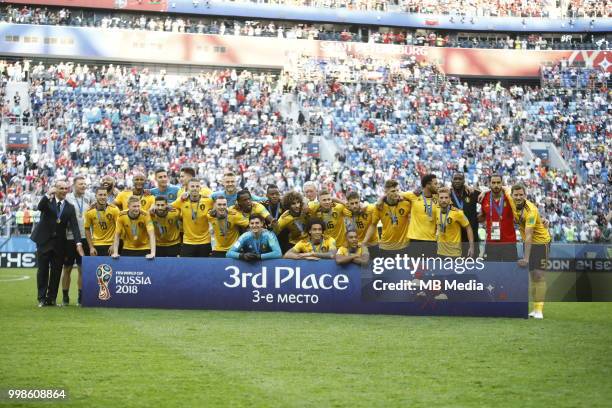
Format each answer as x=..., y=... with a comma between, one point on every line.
x=538, y=307
x=540, y=290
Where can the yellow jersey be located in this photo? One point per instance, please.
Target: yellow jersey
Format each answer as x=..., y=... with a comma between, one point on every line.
x=333, y=219
x=422, y=223
x=146, y=202
x=529, y=217
x=168, y=228
x=395, y=223
x=194, y=217
x=305, y=245
x=296, y=226
x=449, y=227
x=102, y=224
x=361, y=222
x=204, y=192
x=257, y=208
x=134, y=232
x=345, y=251
x=226, y=231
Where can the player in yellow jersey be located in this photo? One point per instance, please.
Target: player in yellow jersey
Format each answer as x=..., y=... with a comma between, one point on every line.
x=102, y=220
x=393, y=214
x=449, y=223
x=536, y=242
x=422, y=230
x=227, y=225
x=186, y=174
x=291, y=226
x=146, y=200
x=135, y=229
x=360, y=218
x=196, y=228
x=331, y=214
x=167, y=223
x=353, y=252
x=316, y=246
x=245, y=206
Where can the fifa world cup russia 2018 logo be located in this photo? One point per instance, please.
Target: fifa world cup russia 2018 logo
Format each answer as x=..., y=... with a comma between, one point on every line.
x=104, y=274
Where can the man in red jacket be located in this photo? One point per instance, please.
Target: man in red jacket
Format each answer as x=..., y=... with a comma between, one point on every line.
x=497, y=213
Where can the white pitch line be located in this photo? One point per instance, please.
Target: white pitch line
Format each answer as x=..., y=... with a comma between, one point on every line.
x=13, y=278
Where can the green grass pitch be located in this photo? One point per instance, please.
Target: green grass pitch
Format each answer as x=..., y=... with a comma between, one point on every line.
x=176, y=358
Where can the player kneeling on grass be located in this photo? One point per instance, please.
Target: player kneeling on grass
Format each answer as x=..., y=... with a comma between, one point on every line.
x=315, y=247
x=352, y=252
x=536, y=241
x=135, y=229
x=256, y=244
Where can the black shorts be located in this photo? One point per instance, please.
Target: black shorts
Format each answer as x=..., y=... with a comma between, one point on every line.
x=538, y=258
x=195, y=251
x=377, y=252
x=171, y=251
x=102, y=250
x=135, y=252
x=218, y=254
x=501, y=252
x=418, y=248
x=72, y=256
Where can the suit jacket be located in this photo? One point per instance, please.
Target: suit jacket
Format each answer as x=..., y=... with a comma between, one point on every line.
x=48, y=229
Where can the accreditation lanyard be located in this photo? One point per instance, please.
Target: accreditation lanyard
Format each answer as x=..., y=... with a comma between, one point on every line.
x=299, y=225
x=134, y=228
x=276, y=211
x=98, y=212
x=428, y=208
x=458, y=202
x=194, y=214
x=257, y=244
x=79, y=205
x=223, y=226
x=160, y=227
x=59, y=214
x=316, y=249
x=443, y=222
x=392, y=214
x=498, y=209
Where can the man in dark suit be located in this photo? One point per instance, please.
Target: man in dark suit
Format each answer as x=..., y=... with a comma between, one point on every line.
x=56, y=215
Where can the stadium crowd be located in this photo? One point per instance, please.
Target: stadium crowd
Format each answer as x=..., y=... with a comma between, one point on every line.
x=389, y=121
x=499, y=8
x=289, y=30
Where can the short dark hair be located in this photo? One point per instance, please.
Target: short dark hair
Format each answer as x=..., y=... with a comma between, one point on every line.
x=518, y=186
x=77, y=178
x=100, y=187
x=220, y=197
x=257, y=216
x=243, y=192
x=324, y=192
x=495, y=175
x=188, y=170
x=229, y=173
x=161, y=198
x=315, y=221
x=194, y=180
x=352, y=195
x=426, y=179
x=391, y=184
x=271, y=186
x=160, y=170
